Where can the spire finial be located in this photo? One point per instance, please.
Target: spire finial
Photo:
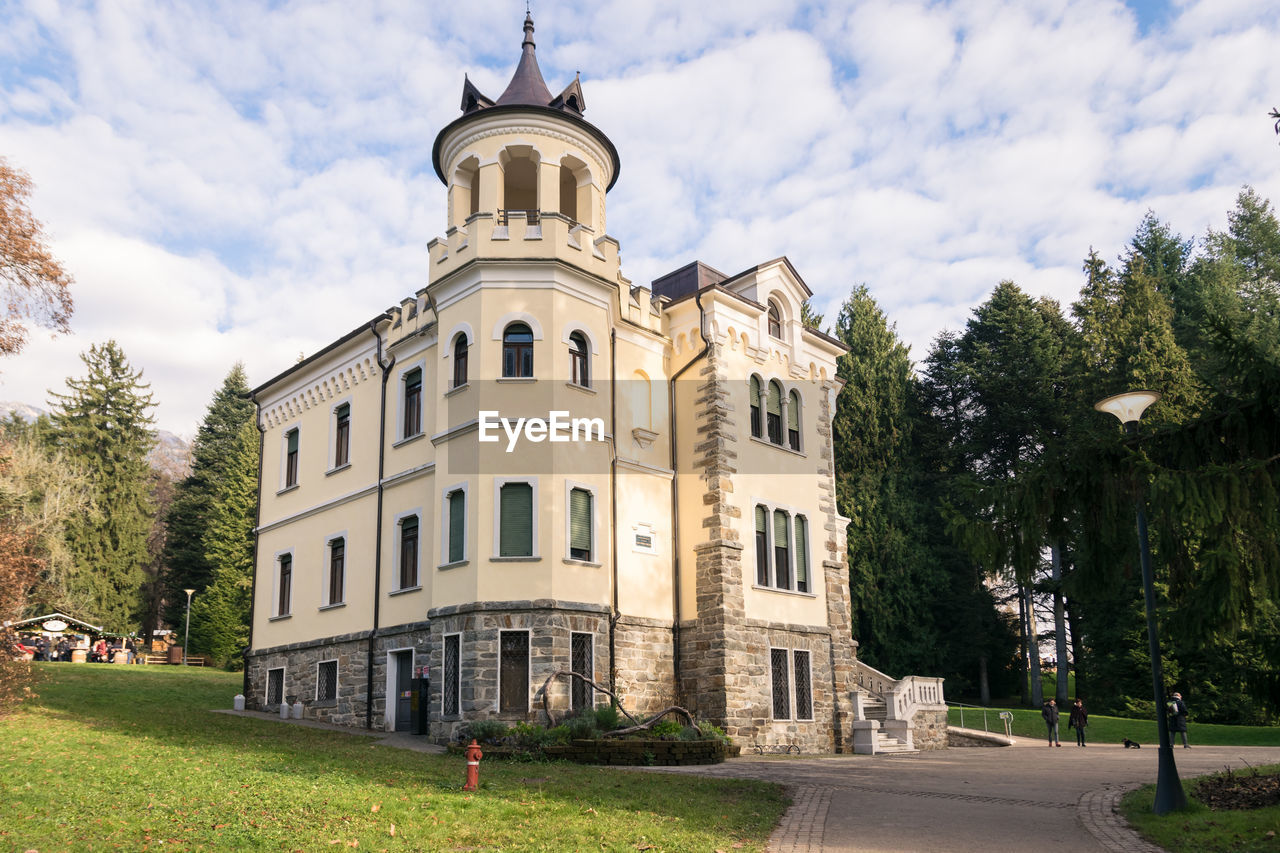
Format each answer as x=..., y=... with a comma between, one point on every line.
x=528, y=28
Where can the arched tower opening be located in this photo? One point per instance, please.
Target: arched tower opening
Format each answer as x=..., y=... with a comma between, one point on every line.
x=520, y=181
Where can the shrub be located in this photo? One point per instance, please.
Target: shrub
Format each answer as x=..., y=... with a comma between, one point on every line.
x=484, y=731
x=711, y=731
x=667, y=729
x=528, y=736
x=583, y=726
x=608, y=718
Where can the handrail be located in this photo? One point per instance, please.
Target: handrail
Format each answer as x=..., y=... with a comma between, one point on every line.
x=962, y=706
x=531, y=217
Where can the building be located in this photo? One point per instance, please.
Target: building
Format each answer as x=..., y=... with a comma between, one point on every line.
x=534, y=464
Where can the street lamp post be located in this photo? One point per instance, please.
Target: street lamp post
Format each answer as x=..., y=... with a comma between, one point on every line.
x=1128, y=408
x=187, y=636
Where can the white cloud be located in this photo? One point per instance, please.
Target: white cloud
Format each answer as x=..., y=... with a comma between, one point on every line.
x=246, y=181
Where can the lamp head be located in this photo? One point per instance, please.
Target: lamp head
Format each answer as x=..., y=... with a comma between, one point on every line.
x=1129, y=406
x=189, y=592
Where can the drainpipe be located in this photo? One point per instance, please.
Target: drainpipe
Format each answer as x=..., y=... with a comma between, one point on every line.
x=675, y=494
x=613, y=505
x=257, y=522
x=377, y=542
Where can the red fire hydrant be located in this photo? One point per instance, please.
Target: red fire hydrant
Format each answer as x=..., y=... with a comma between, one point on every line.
x=473, y=766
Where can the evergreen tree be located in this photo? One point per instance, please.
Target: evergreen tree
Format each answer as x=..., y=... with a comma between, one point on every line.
x=104, y=423
x=214, y=457
x=220, y=617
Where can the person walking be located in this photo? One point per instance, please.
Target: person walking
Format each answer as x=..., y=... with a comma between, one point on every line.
x=1178, y=719
x=1050, y=714
x=1078, y=720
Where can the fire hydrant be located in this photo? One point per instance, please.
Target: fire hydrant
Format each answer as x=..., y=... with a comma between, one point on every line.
x=473, y=766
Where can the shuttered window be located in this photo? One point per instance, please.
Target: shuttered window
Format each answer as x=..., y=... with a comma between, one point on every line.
x=412, y=403
x=513, y=672
x=457, y=525
x=342, y=436
x=580, y=524
x=802, y=553
x=781, y=551
x=409, y=552
x=793, y=420
x=775, y=413
x=337, y=570
x=515, y=537
x=285, y=586
x=291, y=459
x=762, y=546
x=754, y=390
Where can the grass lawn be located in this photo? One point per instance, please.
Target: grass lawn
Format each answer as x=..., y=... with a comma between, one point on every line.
x=1028, y=723
x=130, y=758
x=1199, y=830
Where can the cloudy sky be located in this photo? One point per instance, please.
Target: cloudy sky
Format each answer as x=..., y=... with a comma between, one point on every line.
x=251, y=180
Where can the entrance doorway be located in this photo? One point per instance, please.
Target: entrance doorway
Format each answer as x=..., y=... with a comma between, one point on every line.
x=399, y=694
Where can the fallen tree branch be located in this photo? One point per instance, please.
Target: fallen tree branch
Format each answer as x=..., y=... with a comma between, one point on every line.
x=640, y=727
x=565, y=673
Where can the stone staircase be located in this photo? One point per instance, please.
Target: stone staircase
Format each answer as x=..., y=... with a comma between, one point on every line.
x=885, y=710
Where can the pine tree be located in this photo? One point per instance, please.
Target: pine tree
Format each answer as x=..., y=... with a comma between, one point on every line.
x=214, y=457
x=220, y=619
x=104, y=423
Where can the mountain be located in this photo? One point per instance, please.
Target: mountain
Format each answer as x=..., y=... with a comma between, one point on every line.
x=170, y=457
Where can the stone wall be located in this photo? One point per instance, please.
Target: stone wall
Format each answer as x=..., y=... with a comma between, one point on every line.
x=929, y=730
x=644, y=669
x=550, y=624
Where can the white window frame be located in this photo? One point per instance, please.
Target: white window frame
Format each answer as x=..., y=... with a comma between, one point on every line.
x=266, y=687
x=791, y=513
x=397, y=541
x=333, y=435
x=497, y=707
x=465, y=488
x=569, y=486
x=786, y=422
x=791, y=705
x=276, y=611
x=336, y=671
x=498, y=483
x=284, y=455
x=420, y=365
x=457, y=687
x=327, y=568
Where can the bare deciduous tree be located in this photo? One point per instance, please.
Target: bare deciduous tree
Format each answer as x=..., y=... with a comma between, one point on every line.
x=36, y=287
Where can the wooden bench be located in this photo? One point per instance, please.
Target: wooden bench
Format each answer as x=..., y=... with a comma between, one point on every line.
x=192, y=660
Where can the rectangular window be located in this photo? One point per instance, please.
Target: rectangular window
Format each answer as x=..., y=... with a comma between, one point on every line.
x=450, y=689
x=762, y=546
x=284, y=584
x=802, y=553
x=581, y=694
x=337, y=570
x=408, y=552
x=457, y=521
x=515, y=508
x=513, y=672
x=327, y=681
x=412, y=403
x=342, y=436
x=804, y=686
x=275, y=686
x=781, y=684
x=581, y=516
x=781, y=551
x=291, y=458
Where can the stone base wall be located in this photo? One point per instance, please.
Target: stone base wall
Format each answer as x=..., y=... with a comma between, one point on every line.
x=644, y=669
x=929, y=730
x=550, y=624
x=742, y=654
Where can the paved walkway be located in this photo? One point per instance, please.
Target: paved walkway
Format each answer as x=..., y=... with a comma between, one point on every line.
x=1025, y=797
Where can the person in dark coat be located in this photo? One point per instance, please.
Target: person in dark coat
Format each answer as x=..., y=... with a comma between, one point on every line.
x=1078, y=720
x=1178, y=719
x=1050, y=714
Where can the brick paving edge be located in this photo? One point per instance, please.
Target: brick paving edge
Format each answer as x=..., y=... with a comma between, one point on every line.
x=1097, y=811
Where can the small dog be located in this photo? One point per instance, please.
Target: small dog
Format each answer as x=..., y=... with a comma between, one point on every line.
x=1131, y=744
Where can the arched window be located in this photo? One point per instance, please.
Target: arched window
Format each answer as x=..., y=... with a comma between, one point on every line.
x=793, y=420
x=802, y=553
x=781, y=551
x=775, y=320
x=517, y=351
x=762, y=545
x=757, y=428
x=579, y=360
x=460, y=361
x=775, y=413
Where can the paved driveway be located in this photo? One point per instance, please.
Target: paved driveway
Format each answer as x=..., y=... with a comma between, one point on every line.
x=1019, y=798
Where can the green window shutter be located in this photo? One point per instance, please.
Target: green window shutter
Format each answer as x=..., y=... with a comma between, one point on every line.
x=762, y=519
x=343, y=411
x=580, y=524
x=779, y=528
x=793, y=411
x=775, y=399
x=802, y=553
x=293, y=441
x=457, y=524
x=516, y=536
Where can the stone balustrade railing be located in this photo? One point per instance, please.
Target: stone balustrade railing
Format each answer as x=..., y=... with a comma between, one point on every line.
x=902, y=697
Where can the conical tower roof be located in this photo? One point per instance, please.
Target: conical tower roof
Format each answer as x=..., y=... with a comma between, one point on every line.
x=527, y=85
